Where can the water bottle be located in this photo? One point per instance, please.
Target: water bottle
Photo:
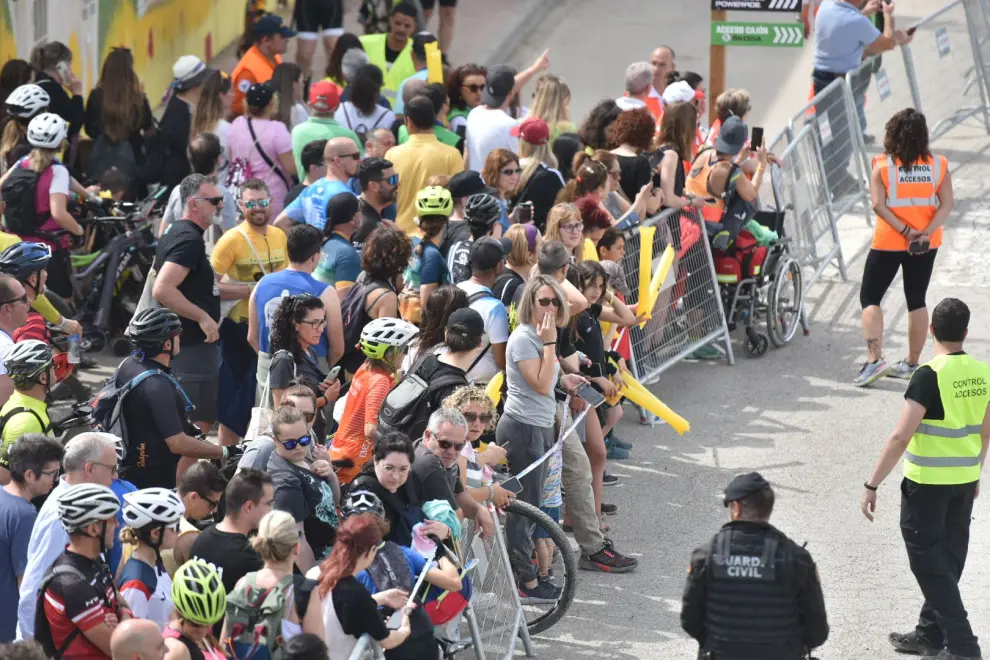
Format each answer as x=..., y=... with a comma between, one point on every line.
x=75, y=350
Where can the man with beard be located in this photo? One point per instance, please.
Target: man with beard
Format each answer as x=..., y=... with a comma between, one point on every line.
x=241, y=258
x=379, y=187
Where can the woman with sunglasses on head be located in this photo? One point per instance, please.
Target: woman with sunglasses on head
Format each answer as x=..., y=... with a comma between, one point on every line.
x=383, y=342
x=502, y=174
x=297, y=327
x=526, y=242
x=525, y=429
x=152, y=520
x=302, y=487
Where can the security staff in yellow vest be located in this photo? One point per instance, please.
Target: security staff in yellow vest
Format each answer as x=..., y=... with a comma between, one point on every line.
x=943, y=433
x=392, y=52
x=752, y=593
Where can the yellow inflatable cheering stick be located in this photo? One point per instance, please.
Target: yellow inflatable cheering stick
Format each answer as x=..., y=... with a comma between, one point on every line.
x=646, y=235
x=434, y=63
x=666, y=261
x=635, y=392
x=494, y=388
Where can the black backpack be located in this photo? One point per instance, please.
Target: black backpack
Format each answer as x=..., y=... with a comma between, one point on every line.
x=407, y=406
x=107, y=155
x=355, y=316
x=18, y=191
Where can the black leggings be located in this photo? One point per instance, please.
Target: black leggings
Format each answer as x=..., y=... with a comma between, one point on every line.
x=881, y=269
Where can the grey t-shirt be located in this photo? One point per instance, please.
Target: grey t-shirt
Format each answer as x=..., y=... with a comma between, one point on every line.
x=523, y=403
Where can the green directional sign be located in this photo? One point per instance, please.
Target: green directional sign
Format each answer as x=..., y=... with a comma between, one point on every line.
x=727, y=33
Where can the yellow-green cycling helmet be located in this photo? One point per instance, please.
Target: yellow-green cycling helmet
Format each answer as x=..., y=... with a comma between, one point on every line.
x=384, y=333
x=434, y=200
x=198, y=593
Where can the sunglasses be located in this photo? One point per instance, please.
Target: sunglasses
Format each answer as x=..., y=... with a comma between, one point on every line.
x=298, y=442
x=22, y=299
x=380, y=547
x=546, y=302
x=484, y=418
x=355, y=156
x=572, y=227
x=257, y=204
x=392, y=180
x=215, y=201
x=474, y=89
x=510, y=171
x=447, y=444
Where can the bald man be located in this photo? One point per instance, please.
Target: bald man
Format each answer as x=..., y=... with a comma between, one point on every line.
x=378, y=142
x=663, y=61
x=341, y=157
x=137, y=639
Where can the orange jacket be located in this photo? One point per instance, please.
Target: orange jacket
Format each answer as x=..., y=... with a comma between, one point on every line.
x=912, y=196
x=253, y=68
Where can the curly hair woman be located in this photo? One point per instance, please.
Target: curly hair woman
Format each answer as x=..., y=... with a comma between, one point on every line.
x=906, y=237
x=632, y=133
x=297, y=326
x=464, y=89
x=594, y=130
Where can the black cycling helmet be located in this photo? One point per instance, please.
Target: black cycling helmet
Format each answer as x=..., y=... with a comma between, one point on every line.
x=21, y=260
x=362, y=501
x=151, y=328
x=482, y=209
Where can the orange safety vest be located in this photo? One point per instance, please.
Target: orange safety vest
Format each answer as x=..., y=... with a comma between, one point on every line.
x=655, y=106
x=253, y=68
x=912, y=196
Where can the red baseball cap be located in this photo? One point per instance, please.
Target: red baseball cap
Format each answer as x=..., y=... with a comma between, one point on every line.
x=324, y=96
x=532, y=130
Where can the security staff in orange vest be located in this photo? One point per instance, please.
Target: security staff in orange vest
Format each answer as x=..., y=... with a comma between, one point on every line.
x=911, y=191
x=271, y=37
x=943, y=433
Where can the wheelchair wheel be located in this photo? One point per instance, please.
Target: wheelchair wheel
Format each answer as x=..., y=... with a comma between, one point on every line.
x=784, y=301
x=756, y=344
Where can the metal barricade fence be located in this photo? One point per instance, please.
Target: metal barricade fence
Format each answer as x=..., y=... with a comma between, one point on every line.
x=367, y=649
x=802, y=192
x=688, y=313
x=831, y=114
x=495, y=618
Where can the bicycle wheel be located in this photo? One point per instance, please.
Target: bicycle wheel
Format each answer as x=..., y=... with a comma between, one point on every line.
x=784, y=301
x=542, y=615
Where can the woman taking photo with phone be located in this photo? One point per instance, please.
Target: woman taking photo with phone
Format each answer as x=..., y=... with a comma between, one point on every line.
x=911, y=191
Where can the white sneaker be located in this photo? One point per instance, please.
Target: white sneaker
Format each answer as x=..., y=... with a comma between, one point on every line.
x=902, y=370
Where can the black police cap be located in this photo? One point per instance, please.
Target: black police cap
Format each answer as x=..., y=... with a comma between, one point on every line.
x=745, y=485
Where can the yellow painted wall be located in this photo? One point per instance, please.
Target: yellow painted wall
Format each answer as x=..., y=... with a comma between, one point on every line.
x=173, y=27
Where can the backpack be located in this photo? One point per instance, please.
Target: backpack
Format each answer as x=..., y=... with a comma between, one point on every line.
x=24, y=215
x=459, y=261
x=407, y=406
x=13, y=412
x=107, y=155
x=42, y=628
x=108, y=404
x=362, y=130
x=254, y=619
x=355, y=316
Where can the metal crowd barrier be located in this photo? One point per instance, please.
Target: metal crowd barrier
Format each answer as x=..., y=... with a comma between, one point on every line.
x=688, y=313
x=367, y=649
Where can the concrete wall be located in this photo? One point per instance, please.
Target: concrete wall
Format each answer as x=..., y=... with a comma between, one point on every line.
x=157, y=31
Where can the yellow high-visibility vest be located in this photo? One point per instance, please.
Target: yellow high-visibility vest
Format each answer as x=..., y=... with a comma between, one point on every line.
x=947, y=451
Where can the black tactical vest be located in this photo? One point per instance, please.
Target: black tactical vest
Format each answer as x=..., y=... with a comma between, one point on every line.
x=752, y=609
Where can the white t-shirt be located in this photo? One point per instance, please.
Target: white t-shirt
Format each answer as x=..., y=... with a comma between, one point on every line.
x=299, y=114
x=6, y=341
x=496, y=319
x=349, y=116
x=488, y=130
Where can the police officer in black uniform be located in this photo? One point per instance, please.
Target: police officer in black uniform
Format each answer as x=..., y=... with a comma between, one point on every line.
x=752, y=593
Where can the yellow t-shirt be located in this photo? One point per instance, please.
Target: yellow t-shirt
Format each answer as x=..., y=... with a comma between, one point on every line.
x=234, y=258
x=416, y=161
x=40, y=304
x=23, y=422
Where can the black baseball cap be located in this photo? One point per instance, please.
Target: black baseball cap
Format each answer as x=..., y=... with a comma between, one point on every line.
x=270, y=24
x=745, y=485
x=259, y=95
x=488, y=252
x=467, y=183
x=342, y=208
x=419, y=43
x=466, y=322
x=499, y=83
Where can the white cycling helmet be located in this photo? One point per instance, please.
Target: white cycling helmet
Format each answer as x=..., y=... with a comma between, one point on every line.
x=27, y=101
x=47, y=131
x=27, y=359
x=382, y=334
x=85, y=504
x=152, y=505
